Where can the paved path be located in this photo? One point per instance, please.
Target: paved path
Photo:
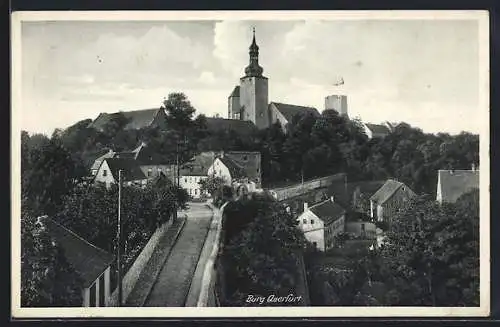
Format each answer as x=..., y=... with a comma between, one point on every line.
x=148, y=276
x=173, y=283
x=200, y=272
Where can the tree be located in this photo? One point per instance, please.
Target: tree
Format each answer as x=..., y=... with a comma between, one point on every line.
x=212, y=185
x=183, y=129
x=47, y=279
x=52, y=172
x=261, y=249
x=431, y=255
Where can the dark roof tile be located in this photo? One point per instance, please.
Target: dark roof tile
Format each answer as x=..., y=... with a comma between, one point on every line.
x=130, y=169
x=328, y=211
x=290, y=110
x=88, y=260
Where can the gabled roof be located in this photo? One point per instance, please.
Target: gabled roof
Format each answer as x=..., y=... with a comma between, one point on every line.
x=289, y=110
x=249, y=161
x=238, y=126
x=100, y=159
x=378, y=129
x=130, y=169
x=236, y=92
x=199, y=166
x=88, y=260
x=453, y=183
x=234, y=169
x=136, y=119
x=327, y=211
x=386, y=191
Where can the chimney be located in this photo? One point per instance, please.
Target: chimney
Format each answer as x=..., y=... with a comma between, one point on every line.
x=332, y=199
x=305, y=206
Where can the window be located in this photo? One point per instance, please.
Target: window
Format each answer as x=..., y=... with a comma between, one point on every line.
x=245, y=158
x=150, y=172
x=312, y=221
x=195, y=191
x=363, y=227
x=104, y=173
x=304, y=221
x=185, y=180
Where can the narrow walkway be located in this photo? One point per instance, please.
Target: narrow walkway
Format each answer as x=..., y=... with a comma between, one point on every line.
x=197, y=280
x=150, y=273
x=174, y=281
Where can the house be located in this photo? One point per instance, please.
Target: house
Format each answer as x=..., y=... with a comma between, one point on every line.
x=376, y=130
x=194, y=172
x=97, y=162
x=285, y=113
x=135, y=119
x=152, y=164
x=322, y=222
x=240, y=170
x=454, y=183
x=91, y=263
x=388, y=199
x=131, y=172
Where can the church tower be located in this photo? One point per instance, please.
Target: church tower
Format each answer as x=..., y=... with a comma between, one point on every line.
x=253, y=91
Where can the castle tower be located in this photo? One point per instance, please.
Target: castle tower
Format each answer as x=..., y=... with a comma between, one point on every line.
x=338, y=103
x=253, y=92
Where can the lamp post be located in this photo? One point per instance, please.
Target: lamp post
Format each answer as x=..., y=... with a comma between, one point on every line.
x=118, y=237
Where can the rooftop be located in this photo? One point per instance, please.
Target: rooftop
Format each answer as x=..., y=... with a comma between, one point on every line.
x=88, y=260
x=453, y=183
x=328, y=211
x=130, y=169
x=386, y=191
x=137, y=119
x=290, y=110
x=378, y=129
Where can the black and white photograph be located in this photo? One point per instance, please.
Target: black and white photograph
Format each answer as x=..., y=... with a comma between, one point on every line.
x=232, y=164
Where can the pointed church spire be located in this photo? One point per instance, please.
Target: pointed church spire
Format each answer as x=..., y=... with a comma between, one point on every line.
x=253, y=69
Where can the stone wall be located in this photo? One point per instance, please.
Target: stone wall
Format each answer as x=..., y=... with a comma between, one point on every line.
x=132, y=275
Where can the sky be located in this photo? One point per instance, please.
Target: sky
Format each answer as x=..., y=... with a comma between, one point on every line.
x=423, y=72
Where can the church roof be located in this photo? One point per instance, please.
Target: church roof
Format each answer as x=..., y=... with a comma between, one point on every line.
x=289, y=110
x=238, y=126
x=136, y=119
x=236, y=92
x=88, y=260
x=378, y=129
x=454, y=183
